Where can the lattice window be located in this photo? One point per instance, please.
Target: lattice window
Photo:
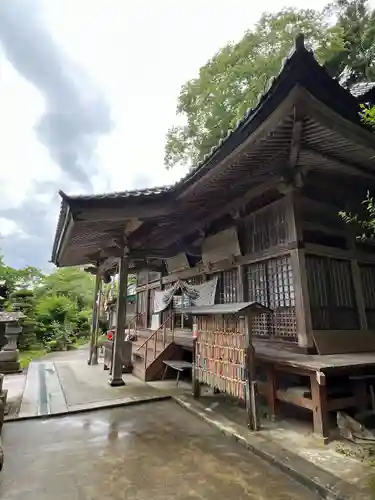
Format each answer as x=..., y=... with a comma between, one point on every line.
x=265, y=228
x=368, y=287
x=332, y=298
x=271, y=283
x=227, y=291
x=256, y=275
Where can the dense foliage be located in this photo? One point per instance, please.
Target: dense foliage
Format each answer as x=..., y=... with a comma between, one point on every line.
x=364, y=223
x=342, y=36
x=57, y=306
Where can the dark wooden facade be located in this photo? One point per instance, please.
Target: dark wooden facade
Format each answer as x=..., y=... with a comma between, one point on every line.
x=261, y=212
x=300, y=259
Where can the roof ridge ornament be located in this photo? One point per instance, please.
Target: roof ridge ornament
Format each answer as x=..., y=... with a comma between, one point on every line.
x=299, y=42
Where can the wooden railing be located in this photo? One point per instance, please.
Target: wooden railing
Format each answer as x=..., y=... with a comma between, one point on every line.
x=128, y=326
x=154, y=338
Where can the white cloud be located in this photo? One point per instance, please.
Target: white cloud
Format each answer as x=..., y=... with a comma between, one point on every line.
x=10, y=228
x=140, y=53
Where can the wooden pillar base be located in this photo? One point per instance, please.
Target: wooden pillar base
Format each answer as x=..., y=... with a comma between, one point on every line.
x=116, y=382
x=94, y=356
x=196, y=389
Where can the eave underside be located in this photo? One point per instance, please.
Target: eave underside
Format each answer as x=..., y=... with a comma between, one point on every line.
x=328, y=143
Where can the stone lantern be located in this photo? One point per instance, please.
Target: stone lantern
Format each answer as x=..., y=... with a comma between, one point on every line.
x=11, y=328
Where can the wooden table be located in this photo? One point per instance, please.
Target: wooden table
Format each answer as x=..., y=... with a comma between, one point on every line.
x=179, y=366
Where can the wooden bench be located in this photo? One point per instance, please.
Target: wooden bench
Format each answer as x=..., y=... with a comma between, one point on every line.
x=179, y=366
x=314, y=396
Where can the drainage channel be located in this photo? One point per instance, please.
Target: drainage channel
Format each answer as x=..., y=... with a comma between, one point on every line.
x=43, y=403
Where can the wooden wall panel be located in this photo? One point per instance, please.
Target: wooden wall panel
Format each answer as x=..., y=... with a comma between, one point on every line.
x=221, y=246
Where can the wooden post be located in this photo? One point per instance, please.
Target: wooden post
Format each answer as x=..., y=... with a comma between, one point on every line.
x=196, y=383
x=298, y=260
x=95, y=348
x=94, y=315
x=302, y=302
x=271, y=391
x=251, y=391
x=241, y=284
x=358, y=290
x=319, y=401
x=357, y=282
x=116, y=375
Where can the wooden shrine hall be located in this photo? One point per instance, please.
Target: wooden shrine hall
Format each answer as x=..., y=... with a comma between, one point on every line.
x=260, y=215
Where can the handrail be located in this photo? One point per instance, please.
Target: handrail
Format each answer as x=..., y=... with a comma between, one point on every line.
x=131, y=321
x=155, y=332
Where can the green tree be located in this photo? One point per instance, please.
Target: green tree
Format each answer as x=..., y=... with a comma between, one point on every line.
x=70, y=282
x=356, y=61
x=231, y=81
x=27, y=277
x=364, y=222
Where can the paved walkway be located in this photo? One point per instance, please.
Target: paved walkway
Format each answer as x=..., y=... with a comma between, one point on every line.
x=64, y=382
x=157, y=451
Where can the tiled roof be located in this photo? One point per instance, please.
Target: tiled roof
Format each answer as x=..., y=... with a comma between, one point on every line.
x=215, y=153
x=119, y=194
x=360, y=89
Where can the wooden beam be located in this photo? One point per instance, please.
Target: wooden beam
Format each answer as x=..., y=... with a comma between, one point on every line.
x=309, y=205
x=283, y=110
x=191, y=226
x=321, y=228
x=325, y=115
x=295, y=146
x=338, y=253
x=340, y=165
x=240, y=260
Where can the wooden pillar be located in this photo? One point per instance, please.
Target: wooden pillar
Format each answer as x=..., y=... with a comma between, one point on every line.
x=302, y=299
x=251, y=390
x=358, y=290
x=319, y=401
x=298, y=261
x=241, y=284
x=94, y=315
x=116, y=375
x=196, y=383
x=95, y=347
x=271, y=391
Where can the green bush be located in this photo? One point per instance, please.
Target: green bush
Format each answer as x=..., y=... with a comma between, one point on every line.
x=101, y=340
x=52, y=345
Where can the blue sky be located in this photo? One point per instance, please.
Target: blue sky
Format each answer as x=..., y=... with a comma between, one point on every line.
x=139, y=53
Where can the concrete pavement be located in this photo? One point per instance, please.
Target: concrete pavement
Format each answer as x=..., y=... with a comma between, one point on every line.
x=64, y=382
x=156, y=451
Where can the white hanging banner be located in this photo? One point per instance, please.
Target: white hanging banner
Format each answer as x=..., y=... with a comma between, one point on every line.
x=201, y=295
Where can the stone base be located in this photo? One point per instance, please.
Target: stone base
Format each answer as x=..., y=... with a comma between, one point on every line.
x=10, y=367
x=7, y=356
x=116, y=382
